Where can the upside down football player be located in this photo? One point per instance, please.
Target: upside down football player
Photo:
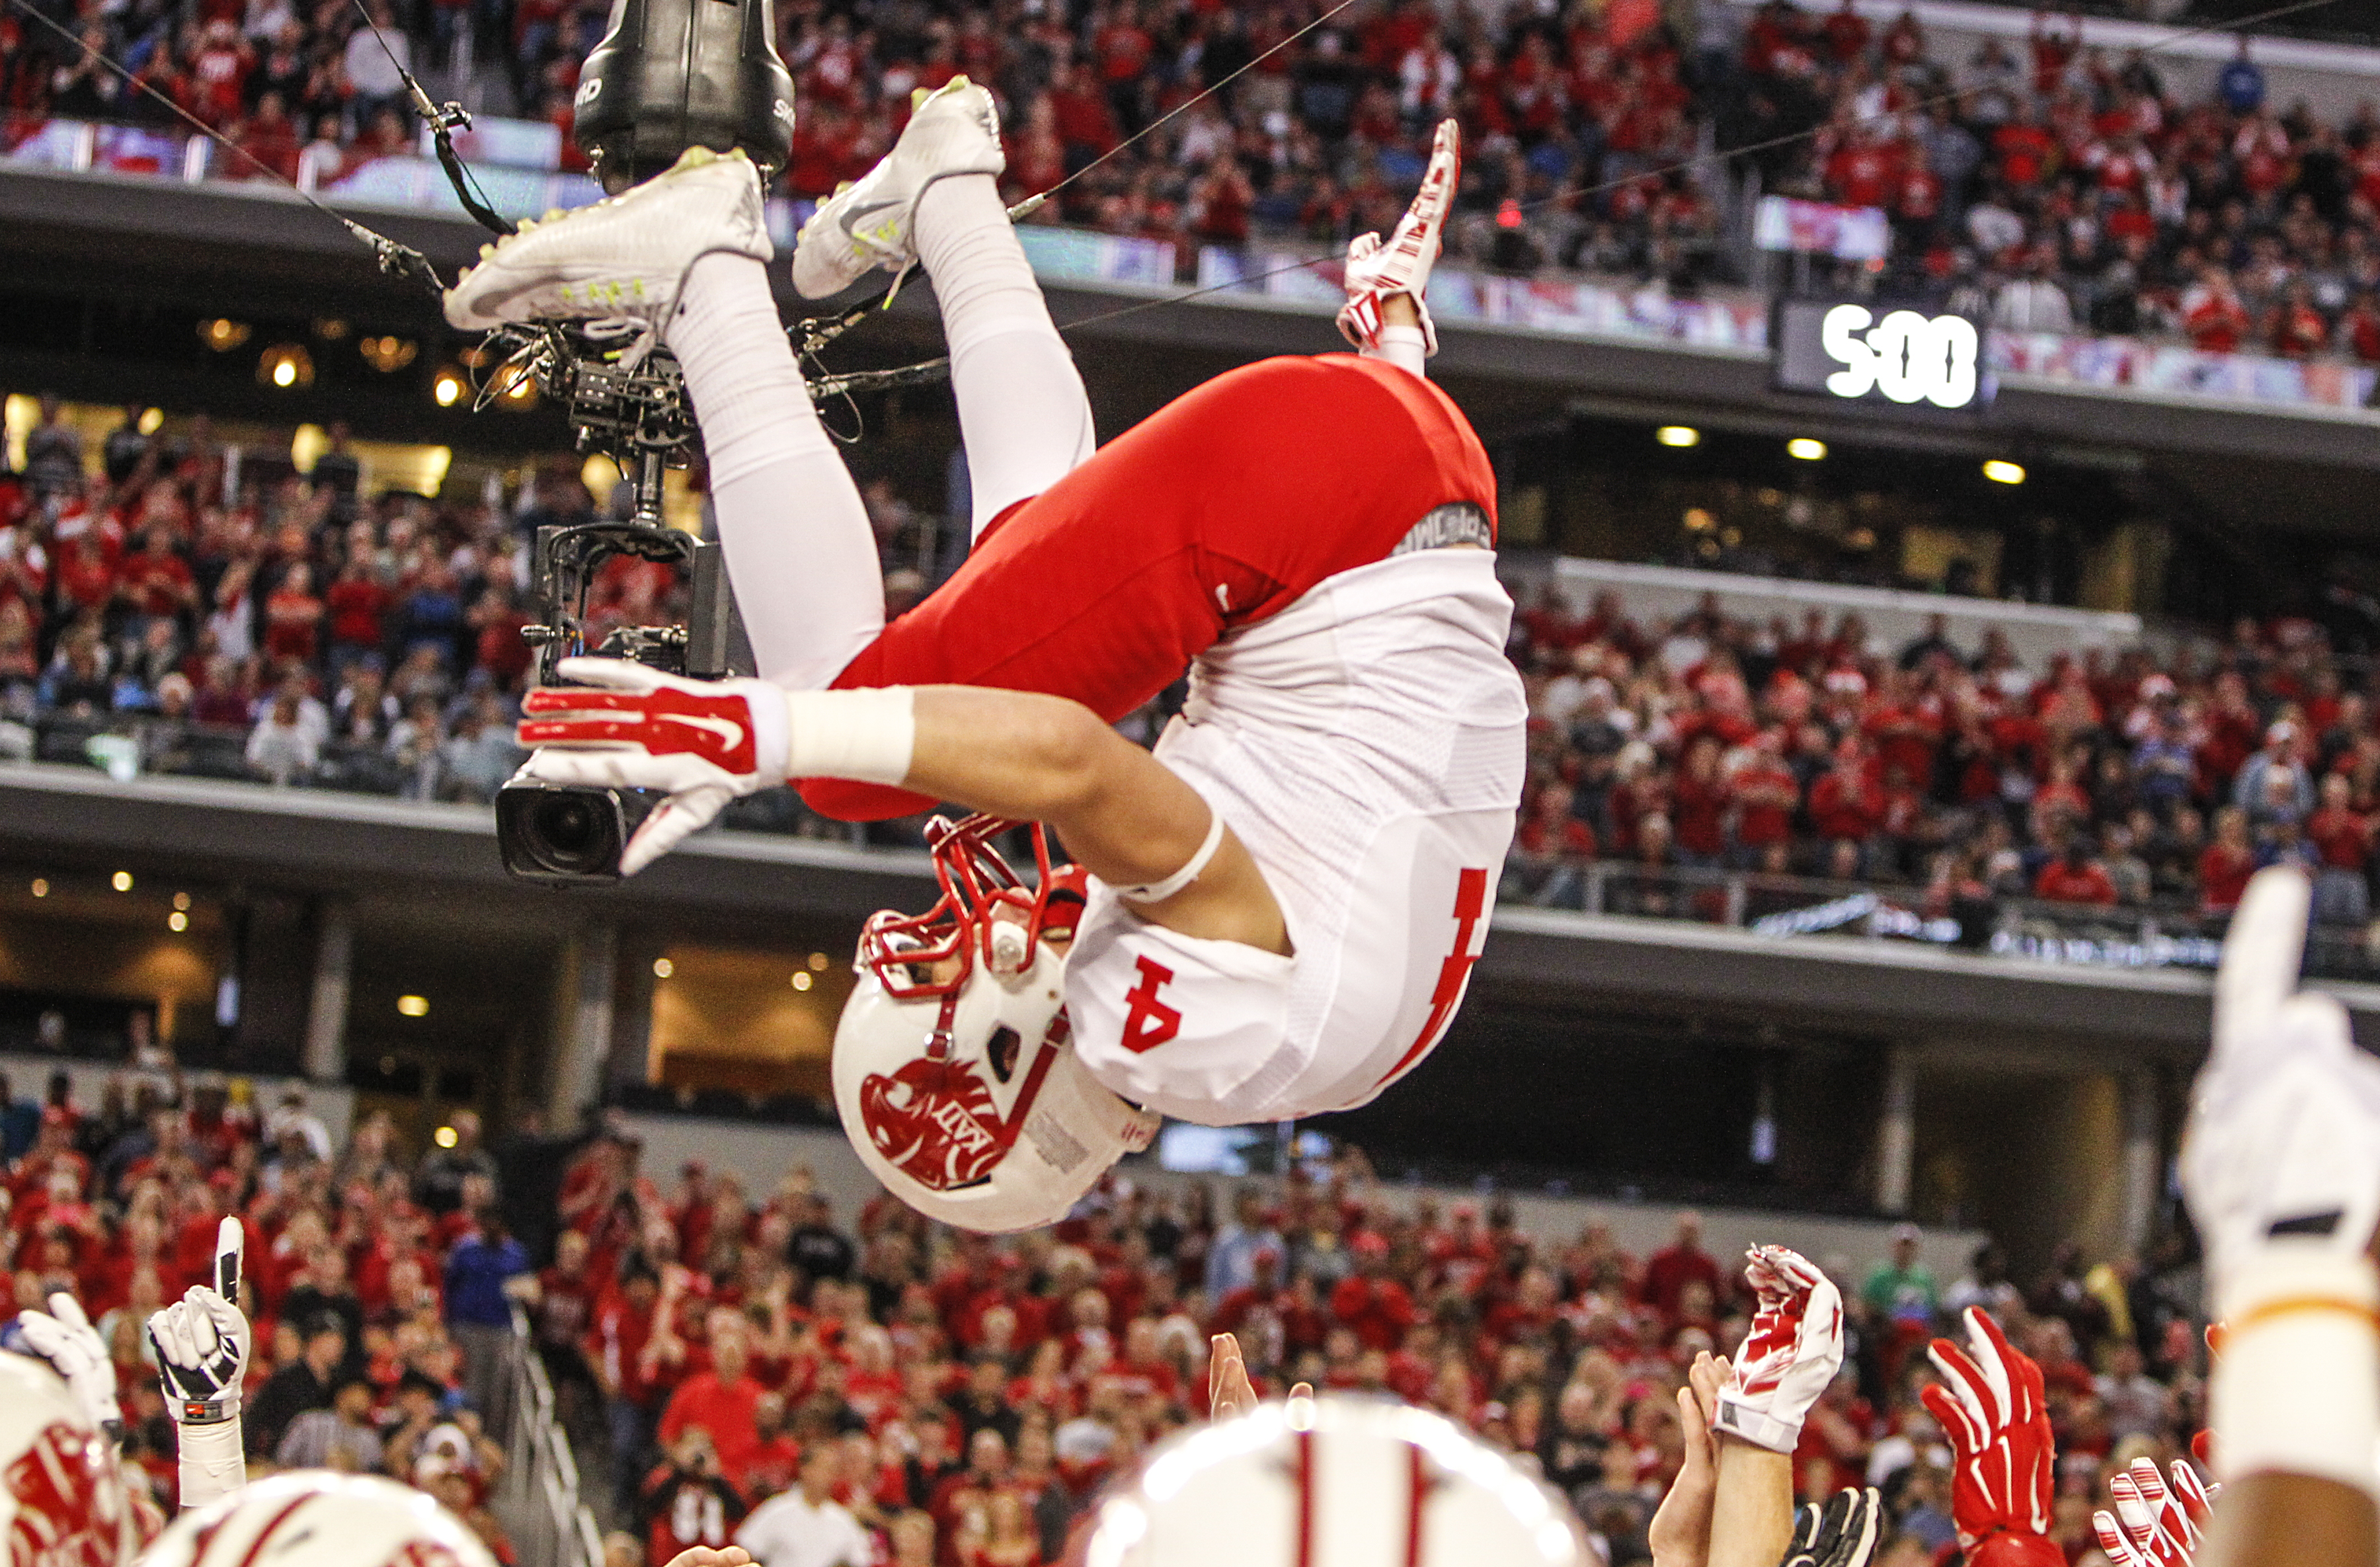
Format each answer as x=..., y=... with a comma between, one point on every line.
x=1273, y=916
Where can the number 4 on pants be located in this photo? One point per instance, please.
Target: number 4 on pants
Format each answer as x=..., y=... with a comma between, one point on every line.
x=1150, y=1022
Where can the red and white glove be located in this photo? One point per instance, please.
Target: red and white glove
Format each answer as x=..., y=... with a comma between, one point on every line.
x=1378, y=271
x=2152, y=1526
x=1792, y=1353
x=625, y=726
x=1989, y=1403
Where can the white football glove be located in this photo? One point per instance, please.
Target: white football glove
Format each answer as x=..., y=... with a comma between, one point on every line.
x=1378, y=271
x=202, y=1341
x=2281, y=1155
x=702, y=742
x=1792, y=1353
x=64, y=1337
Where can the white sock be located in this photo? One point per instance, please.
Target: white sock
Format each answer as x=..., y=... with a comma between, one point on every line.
x=1023, y=413
x=800, y=553
x=1404, y=347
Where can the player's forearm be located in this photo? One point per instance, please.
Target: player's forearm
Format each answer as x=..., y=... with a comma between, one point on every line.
x=1121, y=812
x=2291, y=1520
x=213, y=1460
x=1752, y=1512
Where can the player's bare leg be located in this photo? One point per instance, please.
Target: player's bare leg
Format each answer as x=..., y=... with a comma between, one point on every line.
x=683, y=256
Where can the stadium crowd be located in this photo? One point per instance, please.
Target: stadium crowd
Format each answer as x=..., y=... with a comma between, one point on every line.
x=311, y=636
x=374, y=1282
x=2049, y=185
x=978, y=1391
x=2100, y=780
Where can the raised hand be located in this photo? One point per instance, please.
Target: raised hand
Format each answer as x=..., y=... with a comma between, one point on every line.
x=64, y=1337
x=1989, y=1403
x=202, y=1341
x=1793, y=1351
x=2281, y=1155
x=1378, y=270
x=1680, y=1531
x=1842, y=1534
x=2153, y=1523
x=1229, y=1391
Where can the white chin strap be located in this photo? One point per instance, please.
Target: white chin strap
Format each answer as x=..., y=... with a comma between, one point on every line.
x=1157, y=892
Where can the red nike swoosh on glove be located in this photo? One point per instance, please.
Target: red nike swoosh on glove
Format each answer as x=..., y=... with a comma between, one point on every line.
x=667, y=721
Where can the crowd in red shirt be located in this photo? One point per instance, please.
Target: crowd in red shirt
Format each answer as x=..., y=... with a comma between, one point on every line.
x=2101, y=779
x=348, y=1255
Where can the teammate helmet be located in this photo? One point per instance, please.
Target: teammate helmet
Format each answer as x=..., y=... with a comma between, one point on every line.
x=315, y=1518
x=954, y=1070
x=64, y=1504
x=1332, y=1482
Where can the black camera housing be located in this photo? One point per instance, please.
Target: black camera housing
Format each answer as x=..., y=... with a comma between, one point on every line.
x=571, y=834
x=674, y=74
x=567, y=835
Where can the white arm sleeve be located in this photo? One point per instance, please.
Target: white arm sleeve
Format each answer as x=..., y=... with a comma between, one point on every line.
x=214, y=1461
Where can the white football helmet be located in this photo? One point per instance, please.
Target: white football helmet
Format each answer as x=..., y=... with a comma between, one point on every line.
x=315, y=1518
x=1333, y=1482
x=63, y=1503
x=954, y=1072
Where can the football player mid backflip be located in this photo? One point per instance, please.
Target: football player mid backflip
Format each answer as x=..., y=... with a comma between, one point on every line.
x=1275, y=915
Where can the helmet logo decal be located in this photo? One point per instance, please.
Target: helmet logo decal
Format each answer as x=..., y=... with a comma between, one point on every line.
x=70, y=1502
x=936, y=1122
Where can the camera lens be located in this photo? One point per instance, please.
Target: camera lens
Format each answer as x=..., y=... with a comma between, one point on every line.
x=570, y=833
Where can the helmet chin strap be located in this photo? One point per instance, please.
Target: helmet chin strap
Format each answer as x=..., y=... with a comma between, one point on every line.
x=938, y=1044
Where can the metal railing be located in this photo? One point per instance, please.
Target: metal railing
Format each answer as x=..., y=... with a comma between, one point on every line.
x=2157, y=934
x=537, y=1499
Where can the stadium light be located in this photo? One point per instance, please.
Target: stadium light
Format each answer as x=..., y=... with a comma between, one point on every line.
x=285, y=366
x=1678, y=435
x=2000, y=472
x=1809, y=451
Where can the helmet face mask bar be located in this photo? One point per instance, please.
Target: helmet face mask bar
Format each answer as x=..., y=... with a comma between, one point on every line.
x=908, y=953
x=954, y=1070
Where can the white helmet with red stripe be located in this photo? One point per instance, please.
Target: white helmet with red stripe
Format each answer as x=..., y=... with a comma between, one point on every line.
x=315, y=1518
x=1333, y=1482
x=65, y=1503
x=954, y=1068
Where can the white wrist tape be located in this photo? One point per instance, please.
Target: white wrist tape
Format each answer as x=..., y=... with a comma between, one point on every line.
x=868, y=736
x=1157, y=892
x=2297, y=1387
x=214, y=1464
x=1756, y=1425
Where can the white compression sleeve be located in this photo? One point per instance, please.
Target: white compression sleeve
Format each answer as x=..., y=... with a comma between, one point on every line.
x=1404, y=347
x=213, y=1463
x=1023, y=412
x=800, y=552
x=2297, y=1387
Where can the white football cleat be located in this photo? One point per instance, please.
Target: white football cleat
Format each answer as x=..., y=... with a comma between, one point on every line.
x=1377, y=272
x=954, y=129
x=625, y=258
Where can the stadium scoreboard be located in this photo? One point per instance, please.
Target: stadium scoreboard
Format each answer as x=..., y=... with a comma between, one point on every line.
x=1866, y=352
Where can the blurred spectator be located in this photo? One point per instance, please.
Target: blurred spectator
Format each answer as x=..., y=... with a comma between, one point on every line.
x=806, y=1526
